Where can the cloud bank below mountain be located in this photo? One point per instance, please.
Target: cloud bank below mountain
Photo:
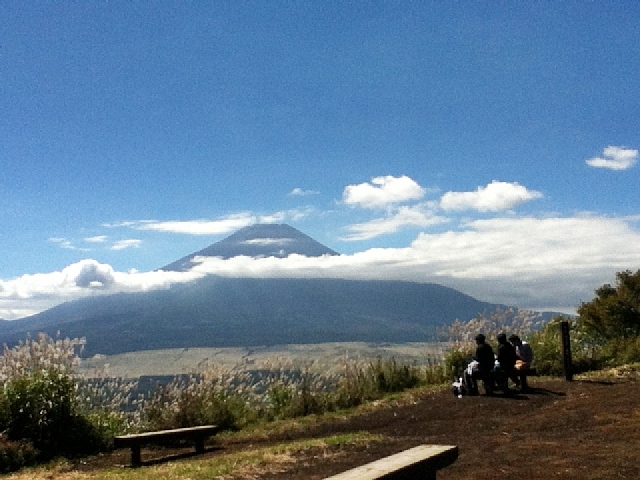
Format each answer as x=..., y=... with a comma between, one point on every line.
x=541, y=263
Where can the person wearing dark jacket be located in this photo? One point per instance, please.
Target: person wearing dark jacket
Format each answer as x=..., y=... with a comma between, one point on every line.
x=484, y=354
x=481, y=368
x=507, y=362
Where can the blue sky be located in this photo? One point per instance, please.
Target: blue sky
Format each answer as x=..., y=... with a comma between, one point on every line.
x=487, y=146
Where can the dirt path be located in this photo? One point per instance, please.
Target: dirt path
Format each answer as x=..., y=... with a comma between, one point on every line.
x=579, y=430
x=584, y=429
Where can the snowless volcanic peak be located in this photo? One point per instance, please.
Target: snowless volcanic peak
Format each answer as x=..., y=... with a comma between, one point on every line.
x=262, y=240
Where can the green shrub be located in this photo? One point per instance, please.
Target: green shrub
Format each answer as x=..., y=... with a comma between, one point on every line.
x=390, y=376
x=202, y=399
x=457, y=359
x=360, y=384
x=547, y=348
x=39, y=404
x=620, y=351
x=109, y=424
x=15, y=455
x=354, y=387
x=42, y=409
x=615, y=311
x=436, y=373
x=292, y=392
x=302, y=394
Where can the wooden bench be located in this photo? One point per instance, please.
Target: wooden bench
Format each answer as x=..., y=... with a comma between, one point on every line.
x=529, y=372
x=134, y=441
x=523, y=374
x=418, y=463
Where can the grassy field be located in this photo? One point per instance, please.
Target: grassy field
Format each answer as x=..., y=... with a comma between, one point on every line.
x=240, y=464
x=322, y=356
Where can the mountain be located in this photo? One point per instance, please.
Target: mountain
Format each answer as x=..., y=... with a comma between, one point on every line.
x=224, y=312
x=262, y=240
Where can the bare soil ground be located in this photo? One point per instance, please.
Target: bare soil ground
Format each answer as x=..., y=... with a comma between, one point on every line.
x=585, y=429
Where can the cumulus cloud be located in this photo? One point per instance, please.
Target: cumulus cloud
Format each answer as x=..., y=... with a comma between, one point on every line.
x=302, y=193
x=30, y=294
x=388, y=191
x=405, y=216
x=383, y=191
x=615, y=158
x=128, y=243
x=549, y=263
x=89, y=273
x=542, y=263
x=495, y=197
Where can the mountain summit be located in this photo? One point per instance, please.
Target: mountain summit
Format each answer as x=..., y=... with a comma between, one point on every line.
x=262, y=240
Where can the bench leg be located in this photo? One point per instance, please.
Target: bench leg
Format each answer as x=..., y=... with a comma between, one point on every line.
x=199, y=444
x=135, y=456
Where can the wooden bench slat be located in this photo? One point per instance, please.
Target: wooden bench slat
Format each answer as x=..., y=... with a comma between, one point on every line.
x=420, y=462
x=177, y=432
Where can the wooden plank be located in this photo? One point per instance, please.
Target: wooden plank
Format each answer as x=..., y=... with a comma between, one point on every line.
x=177, y=432
x=421, y=462
x=144, y=437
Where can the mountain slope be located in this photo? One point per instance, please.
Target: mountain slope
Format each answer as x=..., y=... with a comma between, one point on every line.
x=224, y=312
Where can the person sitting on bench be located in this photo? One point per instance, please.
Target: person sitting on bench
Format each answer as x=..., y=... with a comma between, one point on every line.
x=484, y=360
x=524, y=355
x=505, y=369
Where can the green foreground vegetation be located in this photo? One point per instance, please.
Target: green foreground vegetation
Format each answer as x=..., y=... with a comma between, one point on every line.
x=258, y=460
x=43, y=400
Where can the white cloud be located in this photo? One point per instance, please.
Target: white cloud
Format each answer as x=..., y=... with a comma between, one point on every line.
x=88, y=273
x=219, y=226
x=127, y=223
x=96, y=239
x=616, y=158
x=302, y=193
x=383, y=191
x=494, y=197
x=66, y=244
x=530, y=262
x=405, y=216
x=285, y=215
x=30, y=294
x=268, y=241
x=200, y=227
x=128, y=243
